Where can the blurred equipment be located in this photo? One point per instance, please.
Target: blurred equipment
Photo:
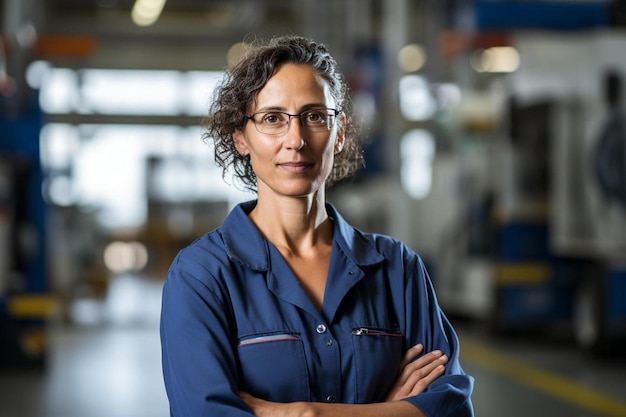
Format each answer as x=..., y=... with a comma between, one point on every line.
x=547, y=229
x=25, y=304
x=587, y=216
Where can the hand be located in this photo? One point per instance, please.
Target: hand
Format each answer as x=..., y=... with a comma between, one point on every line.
x=259, y=407
x=263, y=408
x=415, y=376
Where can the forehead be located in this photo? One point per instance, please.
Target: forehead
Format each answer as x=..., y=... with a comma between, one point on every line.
x=294, y=85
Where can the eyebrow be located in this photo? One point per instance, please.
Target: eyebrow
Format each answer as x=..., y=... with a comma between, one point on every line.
x=284, y=110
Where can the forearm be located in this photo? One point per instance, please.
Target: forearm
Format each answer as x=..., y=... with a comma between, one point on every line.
x=387, y=409
x=262, y=408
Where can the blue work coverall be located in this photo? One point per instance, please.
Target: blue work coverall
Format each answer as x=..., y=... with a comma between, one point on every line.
x=235, y=318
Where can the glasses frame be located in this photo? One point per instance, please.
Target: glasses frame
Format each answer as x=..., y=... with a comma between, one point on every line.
x=329, y=125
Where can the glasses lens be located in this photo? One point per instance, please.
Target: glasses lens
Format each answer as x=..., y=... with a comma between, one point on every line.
x=271, y=123
x=277, y=123
x=317, y=120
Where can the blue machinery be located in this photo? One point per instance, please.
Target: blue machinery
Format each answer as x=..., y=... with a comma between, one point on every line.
x=25, y=303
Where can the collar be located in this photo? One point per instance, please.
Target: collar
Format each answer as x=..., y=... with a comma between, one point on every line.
x=245, y=244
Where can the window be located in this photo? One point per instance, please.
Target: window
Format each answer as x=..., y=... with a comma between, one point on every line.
x=106, y=166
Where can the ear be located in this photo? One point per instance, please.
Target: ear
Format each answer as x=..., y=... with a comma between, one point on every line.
x=240, y=142
x=341, y=134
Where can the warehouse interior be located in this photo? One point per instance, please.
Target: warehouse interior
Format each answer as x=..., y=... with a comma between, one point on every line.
x=494, y=143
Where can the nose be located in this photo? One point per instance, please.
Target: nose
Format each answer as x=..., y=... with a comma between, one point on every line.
x=293, y=139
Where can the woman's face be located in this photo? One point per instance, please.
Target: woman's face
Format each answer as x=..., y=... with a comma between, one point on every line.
x=281, y=165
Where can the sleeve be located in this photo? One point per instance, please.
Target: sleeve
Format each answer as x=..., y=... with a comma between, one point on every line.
x=199, y=364
x=426, y=323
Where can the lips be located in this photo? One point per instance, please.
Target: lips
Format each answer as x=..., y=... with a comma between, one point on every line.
x=294, y=166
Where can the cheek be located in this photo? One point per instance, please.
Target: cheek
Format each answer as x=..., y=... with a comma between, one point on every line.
x=328, y=157
x=262, y=154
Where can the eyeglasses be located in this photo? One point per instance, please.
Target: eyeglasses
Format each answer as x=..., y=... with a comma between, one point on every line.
x=277, y=122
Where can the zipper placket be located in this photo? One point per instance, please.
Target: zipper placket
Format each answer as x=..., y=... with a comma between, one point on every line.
x=368, y=331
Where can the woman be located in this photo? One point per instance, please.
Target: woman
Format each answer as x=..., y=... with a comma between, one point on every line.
x=287, y=310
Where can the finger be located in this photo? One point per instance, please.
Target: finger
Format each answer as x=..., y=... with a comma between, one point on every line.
x=417, y=375
x=425, y=371
x=422, y=362
x=411, y=354
x=421, y=384
x=415, y=383
x=409, y=358
x=435, y=357
x=422, y=367
x=427, y=363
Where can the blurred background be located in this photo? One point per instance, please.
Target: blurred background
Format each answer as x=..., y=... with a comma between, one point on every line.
x=495, y=146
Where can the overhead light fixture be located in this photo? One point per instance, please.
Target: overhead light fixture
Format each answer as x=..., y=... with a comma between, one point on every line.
x=146, y=12
x=417, y=154
x=495, y=59
x=411, y=58
x=416, y=100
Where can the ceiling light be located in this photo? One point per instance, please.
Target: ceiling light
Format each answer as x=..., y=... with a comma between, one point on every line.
x=146, y=12
x=495, y=59
x=411, y=58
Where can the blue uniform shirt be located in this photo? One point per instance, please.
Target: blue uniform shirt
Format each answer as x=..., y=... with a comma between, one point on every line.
x=235, y=318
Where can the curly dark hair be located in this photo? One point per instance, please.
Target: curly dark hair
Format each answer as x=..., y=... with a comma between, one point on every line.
x=240, y=85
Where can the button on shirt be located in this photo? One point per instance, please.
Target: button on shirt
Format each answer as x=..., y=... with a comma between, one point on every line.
x=235, y=318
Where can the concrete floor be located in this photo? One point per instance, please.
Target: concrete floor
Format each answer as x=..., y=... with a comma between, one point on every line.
x=521, y=377
x=113, y=369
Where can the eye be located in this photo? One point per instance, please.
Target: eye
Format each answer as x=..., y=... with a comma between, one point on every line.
x=272, y=118
x=315, y=117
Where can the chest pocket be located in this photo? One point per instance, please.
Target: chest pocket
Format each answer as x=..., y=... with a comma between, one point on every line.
x=273, y=367
x=377, y=355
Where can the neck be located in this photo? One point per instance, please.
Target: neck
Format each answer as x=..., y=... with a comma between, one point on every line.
x=296, y=224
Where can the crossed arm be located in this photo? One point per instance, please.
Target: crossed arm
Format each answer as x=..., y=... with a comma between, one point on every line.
x=413, y=378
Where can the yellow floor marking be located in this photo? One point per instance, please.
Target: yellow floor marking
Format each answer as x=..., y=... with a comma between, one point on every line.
x=539, y=379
